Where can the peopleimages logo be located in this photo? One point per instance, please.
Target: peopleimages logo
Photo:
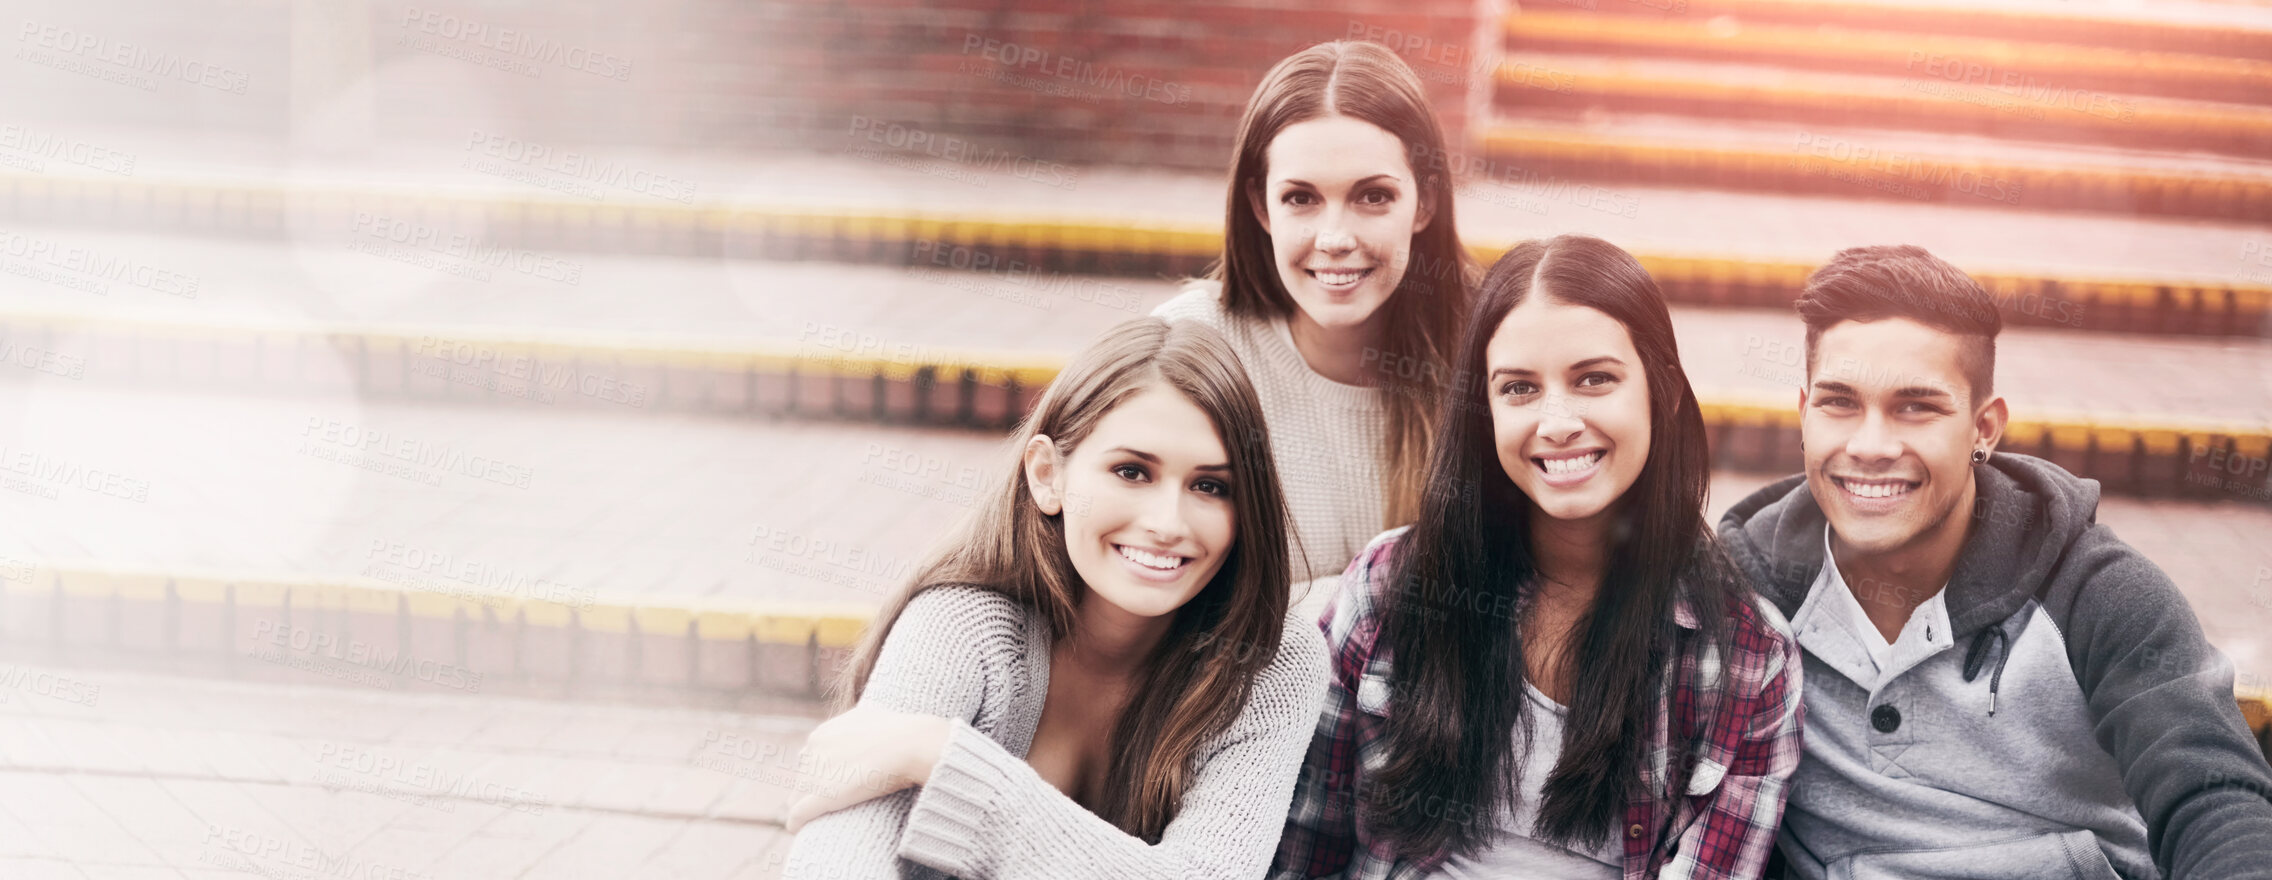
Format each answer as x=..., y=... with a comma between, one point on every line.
x=236, y=849
x=131, y=56
x=352, y=659
x=444, y=572
x=351, y=765
x=39, y=473
x=47, y=683
x=1034, y=60
x=514, y=44
x=1897, y=172
x=569, y=167
x=42, y=146
x=463, y=255
x=959, y=152
x=478, y=362
x=418, y=454
x=94, y=269
x=2021, y=86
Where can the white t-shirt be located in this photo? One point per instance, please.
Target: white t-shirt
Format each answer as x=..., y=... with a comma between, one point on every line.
x=1932, y=613
x=1515, y=855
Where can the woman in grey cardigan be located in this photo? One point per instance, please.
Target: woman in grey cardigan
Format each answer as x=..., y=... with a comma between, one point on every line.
x=1099, y=678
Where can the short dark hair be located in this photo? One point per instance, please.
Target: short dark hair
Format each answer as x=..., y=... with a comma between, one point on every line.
x=1904, y=281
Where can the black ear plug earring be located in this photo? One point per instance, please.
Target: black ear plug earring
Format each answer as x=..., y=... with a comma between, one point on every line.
x=1979, y=456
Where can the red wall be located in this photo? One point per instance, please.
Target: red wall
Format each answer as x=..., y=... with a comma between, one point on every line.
x=1144, y=82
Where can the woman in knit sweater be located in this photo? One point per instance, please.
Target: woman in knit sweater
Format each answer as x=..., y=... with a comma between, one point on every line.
x=1341, y=287
x=1099, y=678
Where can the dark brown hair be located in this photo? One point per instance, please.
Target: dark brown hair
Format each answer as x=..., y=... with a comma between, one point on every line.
x=1197, y=681
x=1365, y=81
x=1904, y=281
x=1457, y=675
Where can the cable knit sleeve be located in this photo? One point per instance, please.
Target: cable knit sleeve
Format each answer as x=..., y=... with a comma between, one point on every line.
x=949, y=646
x=986, y=815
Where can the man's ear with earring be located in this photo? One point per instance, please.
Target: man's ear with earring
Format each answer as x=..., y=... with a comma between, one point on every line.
x=1990, y=422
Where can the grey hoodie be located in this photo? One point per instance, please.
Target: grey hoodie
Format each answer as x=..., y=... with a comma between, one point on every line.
x=2115, y=748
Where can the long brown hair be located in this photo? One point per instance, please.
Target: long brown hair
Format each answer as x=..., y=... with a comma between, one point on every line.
x=1457, y=675
x=1197, y=681
x=1421, y=319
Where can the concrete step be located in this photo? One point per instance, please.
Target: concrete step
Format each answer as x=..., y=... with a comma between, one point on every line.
x=964, y=337
x=2202, y=27
x=1929, y=98
x=1887, y=165
x=681, y=558
x=1631, y=180
x=1952, y=59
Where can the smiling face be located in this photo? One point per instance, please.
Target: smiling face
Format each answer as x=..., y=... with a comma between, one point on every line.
x=1341, y=206
x=1146, y=499
x=1889, y=427
x=1569, y=406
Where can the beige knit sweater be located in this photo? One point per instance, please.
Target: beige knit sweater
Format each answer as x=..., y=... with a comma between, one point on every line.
x=981, y=660
x=1329, y=440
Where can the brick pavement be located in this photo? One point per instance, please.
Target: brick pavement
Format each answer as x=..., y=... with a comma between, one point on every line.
x=110, y=774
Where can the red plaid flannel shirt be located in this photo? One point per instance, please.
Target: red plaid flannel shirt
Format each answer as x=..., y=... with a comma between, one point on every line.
x=1741, y=713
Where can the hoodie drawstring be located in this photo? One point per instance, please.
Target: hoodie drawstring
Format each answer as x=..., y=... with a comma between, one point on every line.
x=1978, y=653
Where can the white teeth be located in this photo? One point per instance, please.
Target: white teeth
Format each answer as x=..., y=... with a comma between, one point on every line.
x=1876, y=490
x=1151, y=560
x=1571, y=465
x=1338, y=278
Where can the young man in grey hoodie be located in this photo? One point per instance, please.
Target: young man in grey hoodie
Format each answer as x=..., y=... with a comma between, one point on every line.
x=1997, y=686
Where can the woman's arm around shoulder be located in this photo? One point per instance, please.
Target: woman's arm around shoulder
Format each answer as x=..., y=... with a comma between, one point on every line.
x=985, y=814
x=948, y=647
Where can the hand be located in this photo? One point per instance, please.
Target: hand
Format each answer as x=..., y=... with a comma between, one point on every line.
x=865, y=753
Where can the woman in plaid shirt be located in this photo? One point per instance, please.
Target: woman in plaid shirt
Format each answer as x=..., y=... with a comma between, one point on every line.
x=1582, y=685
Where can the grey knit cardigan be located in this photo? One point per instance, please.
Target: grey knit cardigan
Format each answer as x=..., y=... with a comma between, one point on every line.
x=982, y=661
